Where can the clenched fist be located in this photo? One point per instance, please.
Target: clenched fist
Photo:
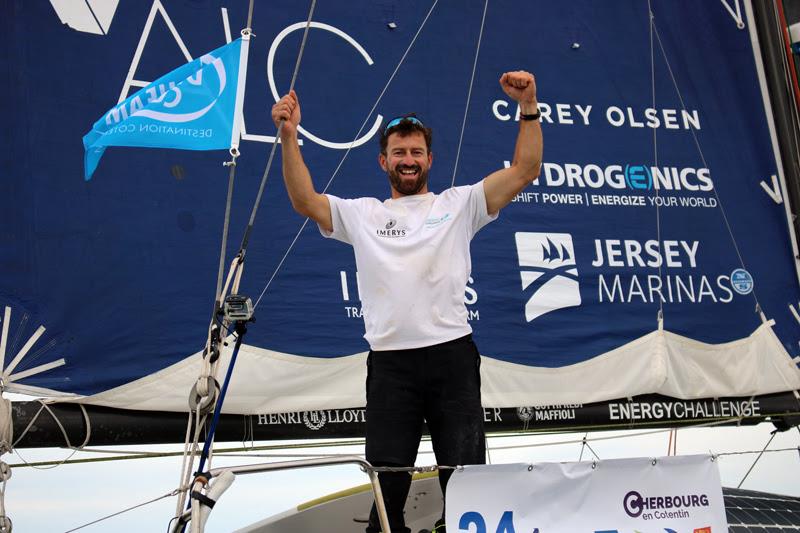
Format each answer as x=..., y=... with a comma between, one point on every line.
x=520, y=86
x=287, y=109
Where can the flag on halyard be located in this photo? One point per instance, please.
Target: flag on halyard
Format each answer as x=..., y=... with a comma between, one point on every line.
x=194, y=107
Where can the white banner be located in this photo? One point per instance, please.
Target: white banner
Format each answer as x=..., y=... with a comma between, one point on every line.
x=667, y=495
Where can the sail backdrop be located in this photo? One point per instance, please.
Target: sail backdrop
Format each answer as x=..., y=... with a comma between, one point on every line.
x=650, y=192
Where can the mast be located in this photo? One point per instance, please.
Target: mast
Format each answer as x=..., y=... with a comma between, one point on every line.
x=781, y=94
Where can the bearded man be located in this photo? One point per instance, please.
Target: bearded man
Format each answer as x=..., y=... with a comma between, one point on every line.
x=413, y=258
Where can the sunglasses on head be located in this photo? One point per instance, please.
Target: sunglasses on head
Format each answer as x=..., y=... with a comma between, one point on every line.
x=396, y=121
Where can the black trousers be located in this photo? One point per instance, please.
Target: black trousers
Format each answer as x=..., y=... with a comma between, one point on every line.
x=439, y=385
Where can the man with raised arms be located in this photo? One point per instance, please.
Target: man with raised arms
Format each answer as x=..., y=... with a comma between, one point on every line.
x=413, y=259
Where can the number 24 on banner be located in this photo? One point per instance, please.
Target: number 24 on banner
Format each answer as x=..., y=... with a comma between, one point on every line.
x=506, y=524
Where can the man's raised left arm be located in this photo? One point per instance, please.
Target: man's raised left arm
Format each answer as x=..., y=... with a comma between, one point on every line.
x=502, y=186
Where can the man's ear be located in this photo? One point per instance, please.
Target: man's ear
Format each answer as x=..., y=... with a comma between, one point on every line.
x=382, y=162
x=430, y=158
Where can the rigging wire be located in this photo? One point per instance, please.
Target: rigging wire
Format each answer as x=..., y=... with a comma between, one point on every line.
x=586, y=443
x=257, y=202
x=167, y=495
x=757, y=459
x=250, y=15
x=422, y=469
x=235, y=453
x=133, y=454
x=583, y=446
x=651, y=18
x=703, y=159
x=349, y=148
x=469, y=92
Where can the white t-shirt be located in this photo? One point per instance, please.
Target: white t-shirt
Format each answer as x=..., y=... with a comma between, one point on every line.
x=413, y=260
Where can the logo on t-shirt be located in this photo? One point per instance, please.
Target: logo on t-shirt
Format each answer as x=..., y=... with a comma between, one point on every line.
x=390, y=230
x=549, y=272
x=433, y=222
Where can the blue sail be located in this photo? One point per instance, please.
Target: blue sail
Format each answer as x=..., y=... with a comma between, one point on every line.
x=113, y=279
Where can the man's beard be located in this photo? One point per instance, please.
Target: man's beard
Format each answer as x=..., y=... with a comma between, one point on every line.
x=404, y=186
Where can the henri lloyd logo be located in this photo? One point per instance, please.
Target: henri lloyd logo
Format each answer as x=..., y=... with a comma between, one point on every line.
x=390, y=230
x=549, y=273
x=314, y=420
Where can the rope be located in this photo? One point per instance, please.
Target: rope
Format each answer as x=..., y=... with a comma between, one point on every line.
x=45, y=406
x=672, y=444
x=218, y=409
x=703, y=159
x=583, y=446
x=189, y=449
x=54, y=464
x=6, y=426
x=469, y=93
x=234, y=453
x=349, y=148
x=167, y=495
x=5, y=521
x=6, y=445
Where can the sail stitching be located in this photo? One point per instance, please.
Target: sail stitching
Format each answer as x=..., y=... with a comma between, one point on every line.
x=469, y=92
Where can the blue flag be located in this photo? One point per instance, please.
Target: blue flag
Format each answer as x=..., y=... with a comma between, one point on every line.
x=191, y=108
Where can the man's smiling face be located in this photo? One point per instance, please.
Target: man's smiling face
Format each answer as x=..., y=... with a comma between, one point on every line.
x=407, y=161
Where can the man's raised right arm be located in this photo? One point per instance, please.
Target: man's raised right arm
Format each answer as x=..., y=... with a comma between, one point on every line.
x=299, y=185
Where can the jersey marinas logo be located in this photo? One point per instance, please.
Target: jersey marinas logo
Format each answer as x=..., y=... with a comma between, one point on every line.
x=549, y=272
